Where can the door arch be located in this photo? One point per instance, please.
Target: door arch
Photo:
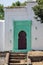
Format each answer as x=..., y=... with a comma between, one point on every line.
x=22, y=42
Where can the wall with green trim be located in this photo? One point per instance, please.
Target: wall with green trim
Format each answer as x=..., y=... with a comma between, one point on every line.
x=18, y=26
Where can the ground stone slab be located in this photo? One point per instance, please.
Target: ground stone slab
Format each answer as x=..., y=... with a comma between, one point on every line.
x=2, y=60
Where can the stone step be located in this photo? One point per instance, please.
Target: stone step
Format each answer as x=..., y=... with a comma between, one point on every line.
x=18, y=54
x=17, y=57
x=17, y=63
x=14, y=60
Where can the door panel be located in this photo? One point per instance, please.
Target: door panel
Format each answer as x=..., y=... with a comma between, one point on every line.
x=22, y=40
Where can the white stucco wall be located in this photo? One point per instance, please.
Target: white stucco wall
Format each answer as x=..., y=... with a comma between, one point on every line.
x=23, y=13
x=10, y=16
x=36, y=33
x=1, y=35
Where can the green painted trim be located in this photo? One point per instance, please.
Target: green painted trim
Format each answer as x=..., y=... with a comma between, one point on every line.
x=24, y=25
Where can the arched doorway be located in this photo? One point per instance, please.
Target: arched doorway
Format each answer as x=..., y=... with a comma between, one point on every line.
x=22, y=36
x=22, y=42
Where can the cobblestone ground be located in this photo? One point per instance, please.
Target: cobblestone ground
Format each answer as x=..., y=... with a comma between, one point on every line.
x=2, y=59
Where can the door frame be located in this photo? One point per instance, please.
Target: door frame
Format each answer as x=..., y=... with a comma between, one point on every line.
x=19, y=25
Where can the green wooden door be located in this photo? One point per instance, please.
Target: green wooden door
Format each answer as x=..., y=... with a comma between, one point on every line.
x=19, y=26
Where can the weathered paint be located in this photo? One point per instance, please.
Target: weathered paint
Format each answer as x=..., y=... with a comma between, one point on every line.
x=23, y=25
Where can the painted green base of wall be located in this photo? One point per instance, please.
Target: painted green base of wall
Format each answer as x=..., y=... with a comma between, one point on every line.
x=24, y=25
